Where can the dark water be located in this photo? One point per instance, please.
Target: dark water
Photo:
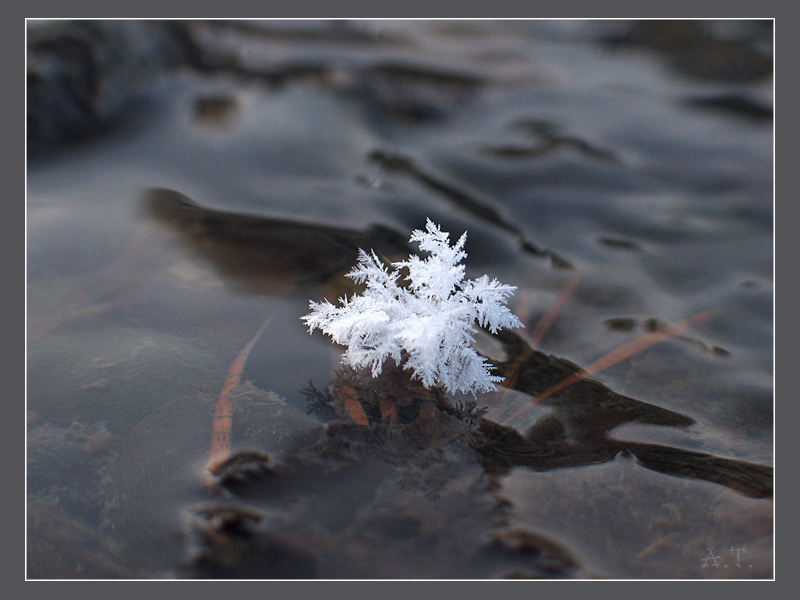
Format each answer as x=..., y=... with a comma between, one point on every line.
x=635, y=159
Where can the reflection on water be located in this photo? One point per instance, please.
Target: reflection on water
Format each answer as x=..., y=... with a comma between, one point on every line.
x=238, y=179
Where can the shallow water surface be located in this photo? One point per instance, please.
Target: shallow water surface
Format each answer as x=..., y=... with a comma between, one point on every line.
x=629, y=164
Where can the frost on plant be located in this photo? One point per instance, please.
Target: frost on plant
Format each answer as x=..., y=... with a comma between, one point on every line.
x=427, y=326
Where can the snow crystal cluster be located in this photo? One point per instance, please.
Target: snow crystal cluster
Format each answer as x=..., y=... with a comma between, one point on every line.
x=427, y=326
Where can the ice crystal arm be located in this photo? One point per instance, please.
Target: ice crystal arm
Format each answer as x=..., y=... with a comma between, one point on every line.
x=438, y=276
x=489, y=298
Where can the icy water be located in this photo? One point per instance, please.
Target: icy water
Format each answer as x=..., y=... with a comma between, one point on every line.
x=628, y=164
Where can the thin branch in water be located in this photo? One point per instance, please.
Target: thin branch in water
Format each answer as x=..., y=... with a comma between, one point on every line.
x=223, y=414
x=617, y=356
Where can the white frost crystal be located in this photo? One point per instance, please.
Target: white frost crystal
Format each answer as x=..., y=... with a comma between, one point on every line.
x=429, y=326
